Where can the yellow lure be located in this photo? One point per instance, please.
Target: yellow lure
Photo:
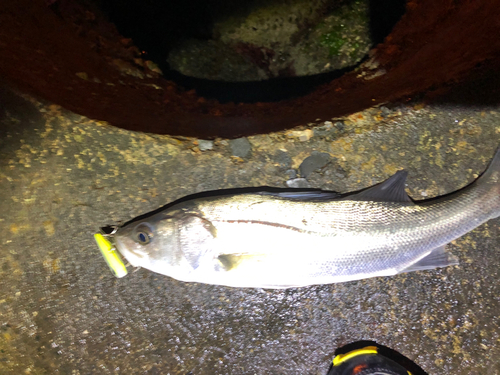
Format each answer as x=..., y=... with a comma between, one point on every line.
x=111, y=256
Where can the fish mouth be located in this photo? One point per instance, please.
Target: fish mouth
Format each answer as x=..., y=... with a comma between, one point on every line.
x=109, y=230
x=126, y=248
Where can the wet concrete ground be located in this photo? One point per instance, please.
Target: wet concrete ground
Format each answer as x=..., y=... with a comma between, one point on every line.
x=62, y=176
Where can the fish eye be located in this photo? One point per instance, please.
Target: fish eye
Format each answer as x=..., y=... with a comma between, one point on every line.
x=143, y=238
x=143, y=234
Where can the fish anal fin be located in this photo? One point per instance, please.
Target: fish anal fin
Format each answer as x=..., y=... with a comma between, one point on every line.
x=436, y=259
x=391, y=190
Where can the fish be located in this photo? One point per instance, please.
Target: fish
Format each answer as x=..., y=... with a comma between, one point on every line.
x=286, y=238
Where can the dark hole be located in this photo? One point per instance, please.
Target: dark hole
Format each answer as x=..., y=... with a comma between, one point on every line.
x=384, y=14
x=158, y=27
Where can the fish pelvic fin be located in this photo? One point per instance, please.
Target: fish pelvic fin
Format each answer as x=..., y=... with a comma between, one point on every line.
x=437, y=258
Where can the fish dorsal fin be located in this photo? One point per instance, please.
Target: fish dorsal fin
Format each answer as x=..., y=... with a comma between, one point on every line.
x=391, y=190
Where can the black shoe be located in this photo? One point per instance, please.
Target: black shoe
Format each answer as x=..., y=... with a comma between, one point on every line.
x=366, y=361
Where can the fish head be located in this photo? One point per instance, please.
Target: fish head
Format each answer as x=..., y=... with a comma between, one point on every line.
x=149, y=243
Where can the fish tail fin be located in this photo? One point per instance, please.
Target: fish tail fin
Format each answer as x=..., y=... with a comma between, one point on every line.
x=492, y=173
x=489, y=182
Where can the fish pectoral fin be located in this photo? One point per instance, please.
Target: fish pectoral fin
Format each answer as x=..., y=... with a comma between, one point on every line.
x=437, y=258
x=391, y=190
x=228, y=261
x=232, y=261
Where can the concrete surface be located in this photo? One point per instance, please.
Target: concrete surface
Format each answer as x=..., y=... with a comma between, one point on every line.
x=62, y=176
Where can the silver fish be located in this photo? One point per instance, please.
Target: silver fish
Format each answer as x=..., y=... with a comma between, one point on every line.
x=283, y=239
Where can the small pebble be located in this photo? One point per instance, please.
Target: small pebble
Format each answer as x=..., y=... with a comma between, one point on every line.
x=240, y=147
x=82, y=75
x=316, y=161
x=282, y=159
x=291, y=173
x=324, y=130
x=340, y=126
x=298, y=183
x=205, y=145
x=384, y=111
x=302, y=135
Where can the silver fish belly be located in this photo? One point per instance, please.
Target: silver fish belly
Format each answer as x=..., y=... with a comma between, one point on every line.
x=285, y=239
